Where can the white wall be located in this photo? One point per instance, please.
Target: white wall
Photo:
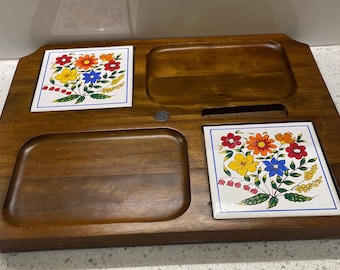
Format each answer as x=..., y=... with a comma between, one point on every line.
x=28, y=24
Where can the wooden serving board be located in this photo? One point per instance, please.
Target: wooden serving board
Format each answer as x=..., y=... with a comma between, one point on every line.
x=124, y=176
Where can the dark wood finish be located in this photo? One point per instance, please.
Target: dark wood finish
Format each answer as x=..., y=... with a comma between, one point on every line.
x=198, y=81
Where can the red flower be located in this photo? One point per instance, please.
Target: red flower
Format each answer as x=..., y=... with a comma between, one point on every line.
x=64, y=59
x=296, y=151
x=231, y=140
x=221, y=182
x=254, y=190
x=112, y=65
x=230, y=183
x=237, y=185
x=246, y=187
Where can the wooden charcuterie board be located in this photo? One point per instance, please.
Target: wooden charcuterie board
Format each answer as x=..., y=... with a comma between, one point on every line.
x=138, y=175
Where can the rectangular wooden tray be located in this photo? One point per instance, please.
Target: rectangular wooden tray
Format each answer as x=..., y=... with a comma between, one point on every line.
x=138, y=176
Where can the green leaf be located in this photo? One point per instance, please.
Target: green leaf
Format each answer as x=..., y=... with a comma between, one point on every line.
x=282, y=190
x=257, y=199
x=227, y=172
x=293, y=197
x=104, y=81
x=67, y=99
x=299, y=138
x=303, y=168
x=302, y=161
x=73, y=87
x=66, y=85
x=278, y=179
x=105, y=76
x=259, y=170
x=274, y=186
x=292, y=165
x=248, y=153
x=52, y=80
x=247, y=178
x=295, y=174
x=86, y=89
x=312, y=160
x=273, y=202
x=257, y=181
x=80, y=99
x=97, y=86
x=228, y=155
x=282, y=155
x=99, y=96
x=288, y=182
x=264, y=179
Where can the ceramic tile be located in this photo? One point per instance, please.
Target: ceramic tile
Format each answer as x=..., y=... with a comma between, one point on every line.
x=93, y=16
x=268, y=170
x=85, y=78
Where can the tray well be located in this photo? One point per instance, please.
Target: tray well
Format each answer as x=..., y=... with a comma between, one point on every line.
x=214, y=73
x=99, y=177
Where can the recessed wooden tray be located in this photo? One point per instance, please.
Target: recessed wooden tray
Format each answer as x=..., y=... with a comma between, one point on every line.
x=99, y=177
x=138, y=175
x=215, y=73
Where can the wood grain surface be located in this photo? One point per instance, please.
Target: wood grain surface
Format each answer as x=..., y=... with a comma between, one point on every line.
x=150, y=184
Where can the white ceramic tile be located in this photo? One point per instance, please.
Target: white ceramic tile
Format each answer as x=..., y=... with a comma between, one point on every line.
x=7, y=69
x=268, y=170
x=86, y=78
x=93, y=16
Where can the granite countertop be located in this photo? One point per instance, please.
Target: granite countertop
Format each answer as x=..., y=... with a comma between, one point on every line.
x=308, y=254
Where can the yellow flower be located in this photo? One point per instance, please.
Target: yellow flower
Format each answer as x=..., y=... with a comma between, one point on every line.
x=67, y=75
x=242, y=164
x=308, y=175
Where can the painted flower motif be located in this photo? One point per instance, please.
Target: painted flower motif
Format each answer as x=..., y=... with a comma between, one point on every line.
x=296, y=151
x=67, y=75
x=106, y=57
x=64, y=59
x=260, y=144
x=246, y=187
x=238, y=185
x=112, y=65
x=231, y=140
x=91, y=77
x=285, y=138
x=275, y=167
x=86, y=62
x=230, y=183
x=254, y=191
x=242, y=164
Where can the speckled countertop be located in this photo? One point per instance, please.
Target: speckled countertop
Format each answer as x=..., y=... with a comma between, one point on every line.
x=309, y=254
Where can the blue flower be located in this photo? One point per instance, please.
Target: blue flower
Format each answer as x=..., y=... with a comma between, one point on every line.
x=275, y=167
x=91, y=77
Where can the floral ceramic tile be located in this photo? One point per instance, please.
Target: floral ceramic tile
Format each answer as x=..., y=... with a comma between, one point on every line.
x=268, y=170
x=86, y=78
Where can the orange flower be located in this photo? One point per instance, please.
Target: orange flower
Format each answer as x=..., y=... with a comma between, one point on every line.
x=285, y=138
x=260, y=144
x=106, y=57
x=86, y=62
